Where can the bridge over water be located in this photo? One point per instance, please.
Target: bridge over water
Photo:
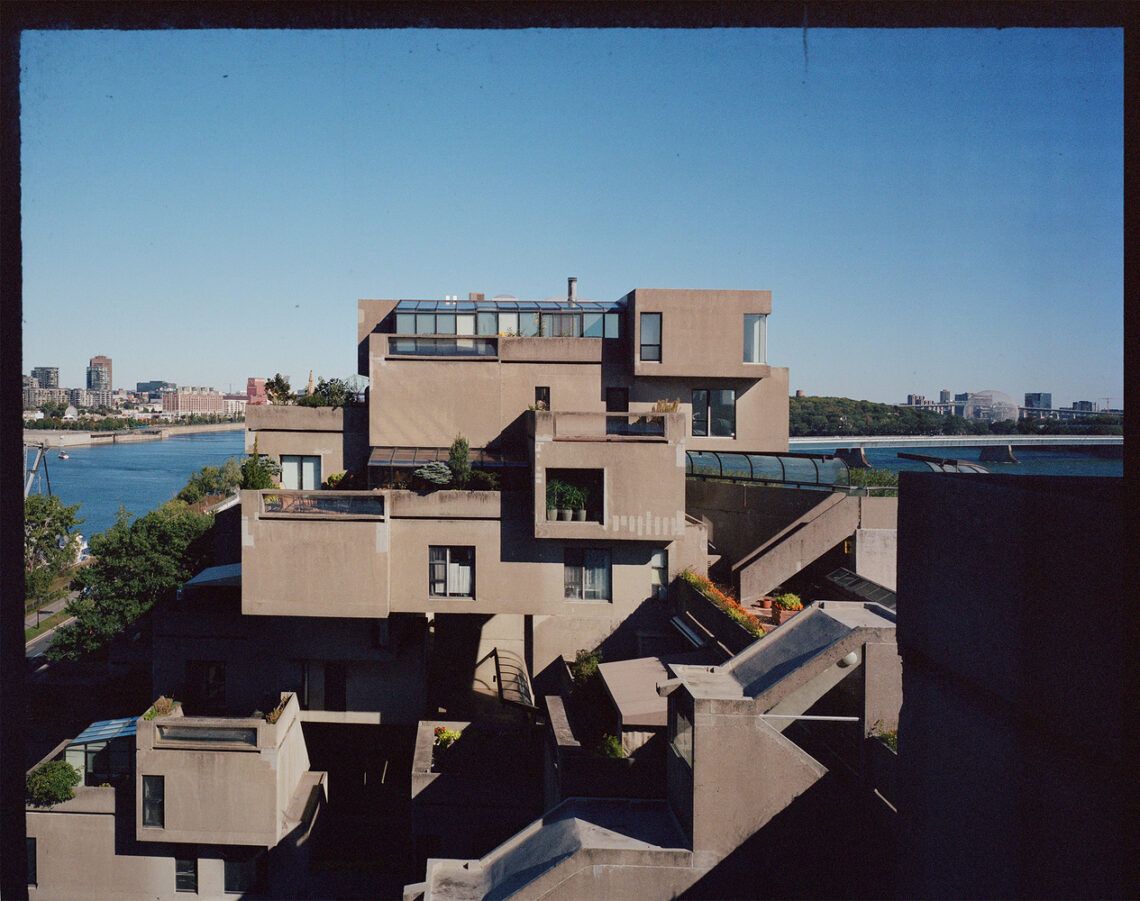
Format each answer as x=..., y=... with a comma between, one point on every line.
x=807, y=444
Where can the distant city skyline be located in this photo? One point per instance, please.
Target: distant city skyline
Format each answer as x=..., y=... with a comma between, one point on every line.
x=931, y=208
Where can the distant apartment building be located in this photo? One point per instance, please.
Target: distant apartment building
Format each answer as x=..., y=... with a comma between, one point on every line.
x=1039, y=401
x=255, y=391
x=191, y=399
x=234, y=404
x=34, y=397
x=155, y=386
x=915, y=400
x=79, y=397
x=46, y=376
x=1084, y=406
x=944, y=396
x=99, y=374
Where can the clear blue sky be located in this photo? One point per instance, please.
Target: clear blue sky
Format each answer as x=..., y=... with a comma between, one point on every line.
x=930, y=208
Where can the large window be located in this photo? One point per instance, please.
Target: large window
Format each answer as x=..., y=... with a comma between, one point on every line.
x=651, y=337
x=154, y=801
x=33, y=876
x=300, y=473
x=186, y=874
x=755, y=338
x=451, y=572
x=587, y=574
x=714, y=412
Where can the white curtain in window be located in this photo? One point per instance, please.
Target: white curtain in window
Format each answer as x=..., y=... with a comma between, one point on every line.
x=596, y=574
x=459, y=578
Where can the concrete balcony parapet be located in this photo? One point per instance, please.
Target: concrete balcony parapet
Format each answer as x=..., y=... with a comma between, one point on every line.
x=574, y=425
x=292, y=418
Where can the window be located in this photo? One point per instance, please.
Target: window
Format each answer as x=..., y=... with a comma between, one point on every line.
x=617, y=400
x=542, y=397
x=186, y=875
x=154, y=801
x=651, y=337
x=587, y=574
x=244, y=873
x=755, y=338
x=32, y=875
x=659, y=573
x=451, y=572
x=561, y=325
x=300, y=473
x=714, y=412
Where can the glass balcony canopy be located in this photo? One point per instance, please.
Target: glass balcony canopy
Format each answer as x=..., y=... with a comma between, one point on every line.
x=824, y=470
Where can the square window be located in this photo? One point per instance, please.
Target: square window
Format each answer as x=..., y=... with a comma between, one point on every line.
x=244, y=873
x=586, y=574
x=451, y=572
x=542, y=397
x=659, y=573
x=154, y=801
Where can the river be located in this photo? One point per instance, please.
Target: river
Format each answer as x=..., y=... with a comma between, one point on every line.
x=142, y=476
x=139, y=476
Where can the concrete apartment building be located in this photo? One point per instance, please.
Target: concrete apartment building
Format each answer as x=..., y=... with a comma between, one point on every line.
x=388, y=608
x=99, y=374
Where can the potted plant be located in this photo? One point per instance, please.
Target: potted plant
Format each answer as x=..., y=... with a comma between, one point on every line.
x=553, y=498
x=785, y=606
x=577, y=502
x=568, y=500
x=765, y=603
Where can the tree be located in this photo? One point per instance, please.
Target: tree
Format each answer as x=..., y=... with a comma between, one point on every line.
x=136, y=563
x=257, y=471
x=459, y=461
x=278, y=390
x=50, y=544
x=329, y=393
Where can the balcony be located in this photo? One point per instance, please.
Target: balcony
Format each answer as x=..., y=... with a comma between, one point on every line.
x=322, y=505
x=631, y=464
x=441, y=346
x=222, y=780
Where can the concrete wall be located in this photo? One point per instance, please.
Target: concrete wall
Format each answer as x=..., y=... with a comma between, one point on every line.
x=216, y=792
x=643, y=495
x=876, y=552
x=1010, y=626
x=306, y=566
x=338, y=435
x=702, y=332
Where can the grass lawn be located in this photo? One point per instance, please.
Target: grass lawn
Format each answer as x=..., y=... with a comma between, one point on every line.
x=48, y=622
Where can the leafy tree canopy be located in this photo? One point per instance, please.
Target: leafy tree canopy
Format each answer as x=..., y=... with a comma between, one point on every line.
x=329, y=393
x=137, y=562
x=50, y=544
x=278, y=390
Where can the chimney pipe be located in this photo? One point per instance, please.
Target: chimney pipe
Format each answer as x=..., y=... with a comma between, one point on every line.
x=572, y=288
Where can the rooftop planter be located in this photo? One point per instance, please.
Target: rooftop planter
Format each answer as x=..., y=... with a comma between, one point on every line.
x=720, y=613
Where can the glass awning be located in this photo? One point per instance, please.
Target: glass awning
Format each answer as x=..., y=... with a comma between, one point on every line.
x=415, y=457
x=824, y=470
x=105, y=730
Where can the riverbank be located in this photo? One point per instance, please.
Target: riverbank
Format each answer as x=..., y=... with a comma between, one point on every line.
x=68, y=438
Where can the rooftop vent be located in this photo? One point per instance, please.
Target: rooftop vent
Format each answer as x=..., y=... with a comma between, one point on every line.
x=476, y=295
x=572, y=288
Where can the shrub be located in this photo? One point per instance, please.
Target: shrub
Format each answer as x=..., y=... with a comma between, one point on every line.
x=610, y=746
x=436, y=473
x=788, y=601
x=889, y=737
x=573, y=497
x=459, y=460
x=52, y=782
x=585, y=667
x=164, y=706
x=487, y=481
x=727, y=603
x=445, y=738
x=275, y=714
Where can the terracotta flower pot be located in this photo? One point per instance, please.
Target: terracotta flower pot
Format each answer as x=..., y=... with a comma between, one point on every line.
x=766, y=603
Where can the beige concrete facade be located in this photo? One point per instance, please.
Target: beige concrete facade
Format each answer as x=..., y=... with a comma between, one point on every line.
x=337, y=435
x=227, y=780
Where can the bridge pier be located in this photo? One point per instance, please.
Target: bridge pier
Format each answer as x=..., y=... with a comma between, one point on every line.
x=854, y=457
x=997, y=453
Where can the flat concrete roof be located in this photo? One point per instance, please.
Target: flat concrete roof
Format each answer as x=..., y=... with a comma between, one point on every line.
x=632, y=686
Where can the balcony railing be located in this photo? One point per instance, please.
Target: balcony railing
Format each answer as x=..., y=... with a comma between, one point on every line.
x=419, y=346
x=323, y=504
x=601, y=425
